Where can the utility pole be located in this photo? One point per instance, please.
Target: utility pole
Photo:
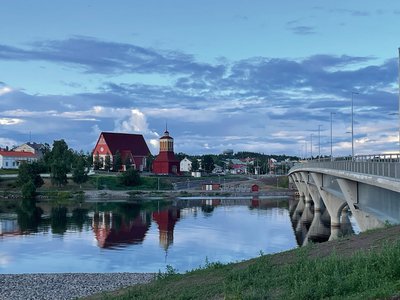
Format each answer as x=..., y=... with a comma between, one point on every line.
x=352, y=124
x=311, y=145
x=319, y=142
x=399, y=102
x=332, y=113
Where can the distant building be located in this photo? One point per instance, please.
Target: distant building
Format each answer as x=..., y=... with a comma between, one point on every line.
x=211, y=186
x=132, y=148
x=166, y=162
x=12, y=159
x=35, y=148
x=185, y=165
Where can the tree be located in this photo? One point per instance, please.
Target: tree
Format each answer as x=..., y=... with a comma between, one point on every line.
x=58, y=173
x=195, y=165
x=117, y=161
x=96, y=162
x=60, y=160
x=79, y=174
x=29, y=172
x=28, y=190
x=208, y=163
x=130, y=178
x=107, y=162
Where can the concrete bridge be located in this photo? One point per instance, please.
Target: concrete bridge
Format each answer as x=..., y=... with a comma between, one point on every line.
x=368, y=186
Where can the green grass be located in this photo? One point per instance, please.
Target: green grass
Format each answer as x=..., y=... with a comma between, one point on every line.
x=364, y=275
x=146, y=183
x=6, y=172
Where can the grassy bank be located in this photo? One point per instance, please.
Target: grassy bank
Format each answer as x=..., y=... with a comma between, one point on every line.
x=362, y=267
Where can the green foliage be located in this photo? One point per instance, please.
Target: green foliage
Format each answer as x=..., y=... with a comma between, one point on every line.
x=208, y=163
x=96, y=162
x=60, y=160
x=28, y=190
x=170, y=271
x=29, y=172
x=58, y=173
x=79, y=174
x=107, y=162
x=130, y=177
x=117, y=162
x=195, y=165
x=283, y=182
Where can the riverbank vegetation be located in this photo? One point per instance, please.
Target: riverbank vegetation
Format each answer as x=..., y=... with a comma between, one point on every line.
x=357, y=267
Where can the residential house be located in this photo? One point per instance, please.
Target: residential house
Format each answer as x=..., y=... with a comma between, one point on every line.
x=12, y=159
x=185, y=165
x=35, y=148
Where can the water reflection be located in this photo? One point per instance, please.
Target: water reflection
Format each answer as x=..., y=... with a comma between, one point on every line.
x=166, y=221
x=150, y=234
x=314, y=225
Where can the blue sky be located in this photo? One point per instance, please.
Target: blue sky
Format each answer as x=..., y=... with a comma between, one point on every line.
x=243, y=75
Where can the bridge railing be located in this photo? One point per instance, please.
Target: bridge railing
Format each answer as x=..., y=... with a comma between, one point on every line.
x=386, y=165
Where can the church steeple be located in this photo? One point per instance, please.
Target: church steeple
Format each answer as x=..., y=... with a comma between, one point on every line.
x=166, y=142
x=166, y=162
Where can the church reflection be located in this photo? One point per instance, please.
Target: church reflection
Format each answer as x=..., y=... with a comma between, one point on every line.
x=112, y=229
x=314, y=225
x=166, y=220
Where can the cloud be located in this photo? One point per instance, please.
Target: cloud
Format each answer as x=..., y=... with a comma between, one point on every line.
x=135, y=122
x=96, y=56
x=257, y=104
x=10, y=121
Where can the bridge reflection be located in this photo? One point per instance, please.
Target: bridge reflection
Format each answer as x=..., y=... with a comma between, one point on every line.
x=314, y=225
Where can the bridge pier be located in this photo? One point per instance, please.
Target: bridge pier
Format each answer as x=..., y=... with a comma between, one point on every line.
x=364, y=220
x=333, y=204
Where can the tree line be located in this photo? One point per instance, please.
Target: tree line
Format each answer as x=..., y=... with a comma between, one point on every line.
x=209, y=161
x=58, y=161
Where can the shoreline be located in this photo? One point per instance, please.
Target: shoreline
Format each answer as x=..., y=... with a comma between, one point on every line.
x=66, y=286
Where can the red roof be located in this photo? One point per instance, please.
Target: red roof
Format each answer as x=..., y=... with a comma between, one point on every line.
x=134, y=143
x=17, y=154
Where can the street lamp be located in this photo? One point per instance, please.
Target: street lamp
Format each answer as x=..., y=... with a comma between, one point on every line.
x=319, y=142
x=332, y=113
x=352, y=123
x=399, y=101
x=311, y=146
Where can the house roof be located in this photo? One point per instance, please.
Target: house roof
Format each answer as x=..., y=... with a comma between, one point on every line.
x=16, y=154
x=123, y=142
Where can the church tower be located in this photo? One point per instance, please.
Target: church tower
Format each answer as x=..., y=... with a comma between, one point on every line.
x=166, y=162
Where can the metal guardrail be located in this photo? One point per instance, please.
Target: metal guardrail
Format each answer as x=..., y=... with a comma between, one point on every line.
x=385, y=165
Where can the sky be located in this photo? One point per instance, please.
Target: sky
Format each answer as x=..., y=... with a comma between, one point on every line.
x=261, y=76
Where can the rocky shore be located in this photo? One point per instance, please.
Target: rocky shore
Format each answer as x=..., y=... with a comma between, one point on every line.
x=65, y=286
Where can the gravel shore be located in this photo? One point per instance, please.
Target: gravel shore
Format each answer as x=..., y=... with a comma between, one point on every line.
x=65, y=285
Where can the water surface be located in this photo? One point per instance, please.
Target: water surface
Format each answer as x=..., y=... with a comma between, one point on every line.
x=140, y=237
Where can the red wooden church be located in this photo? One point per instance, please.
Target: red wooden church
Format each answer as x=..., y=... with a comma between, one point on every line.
x=132, y=148
x=166, y=162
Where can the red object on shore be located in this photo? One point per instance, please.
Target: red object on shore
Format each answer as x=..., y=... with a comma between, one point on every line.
x=166, y=162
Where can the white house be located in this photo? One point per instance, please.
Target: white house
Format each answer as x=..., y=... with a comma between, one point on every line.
x=12, y=159
x=185, y=165
x=35, y=148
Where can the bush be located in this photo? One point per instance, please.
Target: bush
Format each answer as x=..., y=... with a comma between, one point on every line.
x=28, y=190
x=130, y=178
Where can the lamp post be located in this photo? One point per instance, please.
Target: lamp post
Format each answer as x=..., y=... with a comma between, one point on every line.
x=399, y=102
x=311, y=146
x=352, y=123
x=319, y=142
x=332, y=113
